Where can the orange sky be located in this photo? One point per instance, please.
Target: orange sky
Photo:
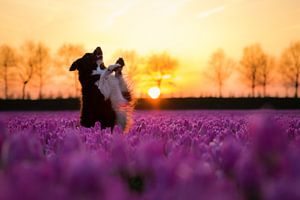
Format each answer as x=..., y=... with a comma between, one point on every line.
x=190, y=30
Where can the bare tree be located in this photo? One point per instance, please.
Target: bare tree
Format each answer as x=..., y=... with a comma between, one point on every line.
x=253, y=59
x=265, y=72
x=160, y=68
x=220, y=68
x=284, y=79
x=7, y=61
x=133, y=64
x=42, y=64
x=290, y=65
x=66, y=54
x=26, y=67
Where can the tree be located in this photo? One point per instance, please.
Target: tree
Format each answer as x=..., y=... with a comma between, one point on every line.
x=220, y=68
x=264, y=72
x=26, y=67
x=285, y=80
x=160, y=68
x=42, y=64
x=253, y=59
x=133, y=63
x=7, y=61
x=290, y=65
x=66, y=54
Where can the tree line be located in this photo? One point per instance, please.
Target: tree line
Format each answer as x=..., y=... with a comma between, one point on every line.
x=257, y=69
x=34, y=64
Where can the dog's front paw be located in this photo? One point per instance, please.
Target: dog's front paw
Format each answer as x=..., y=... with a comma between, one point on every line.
x=121, y=62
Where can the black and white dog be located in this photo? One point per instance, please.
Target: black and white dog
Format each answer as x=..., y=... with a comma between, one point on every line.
x=105, y=98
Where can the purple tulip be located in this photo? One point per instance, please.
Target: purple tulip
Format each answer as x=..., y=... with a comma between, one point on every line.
x=231, y=150
x=83, y=177
x=3, y=134
x=270, y=144
x=21, y=148
x=166, y=155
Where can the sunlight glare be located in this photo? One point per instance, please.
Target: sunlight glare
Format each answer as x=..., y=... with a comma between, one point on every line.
x=166, y=76
x=154, y=92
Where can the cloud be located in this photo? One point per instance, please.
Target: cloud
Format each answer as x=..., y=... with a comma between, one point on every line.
x=212, y=11
x=174, y=7
x=120, y=12
x=220, y=8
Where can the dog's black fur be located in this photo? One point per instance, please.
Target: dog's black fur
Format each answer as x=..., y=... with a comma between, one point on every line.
x=93, y=105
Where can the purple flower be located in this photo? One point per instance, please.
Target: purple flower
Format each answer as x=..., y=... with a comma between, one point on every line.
x=83, y=177
x=3, y=134
x=249, y=177
x=165, y=155
x=270, y=144
x=21, y=147
x=230, y=152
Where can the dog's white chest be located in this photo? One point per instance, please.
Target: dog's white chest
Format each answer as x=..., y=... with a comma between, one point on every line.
x=98, y=71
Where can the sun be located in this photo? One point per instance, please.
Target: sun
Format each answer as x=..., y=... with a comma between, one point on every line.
x=154, y=92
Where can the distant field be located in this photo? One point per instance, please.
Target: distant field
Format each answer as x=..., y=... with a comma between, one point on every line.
x=161, y=104
x=165, y=155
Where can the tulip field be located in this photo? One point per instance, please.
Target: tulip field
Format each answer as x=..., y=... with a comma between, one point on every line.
x=165, y=155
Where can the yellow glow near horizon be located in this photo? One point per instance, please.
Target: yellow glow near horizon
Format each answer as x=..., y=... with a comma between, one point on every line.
x=154, y=92
x=190, y=30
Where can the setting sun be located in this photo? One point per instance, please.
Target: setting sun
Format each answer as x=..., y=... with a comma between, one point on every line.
x=154, y=92
x=184, y=35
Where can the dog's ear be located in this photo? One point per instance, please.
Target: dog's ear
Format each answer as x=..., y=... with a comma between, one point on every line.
x=74, y=66
x=120, y=61
x=98, y=52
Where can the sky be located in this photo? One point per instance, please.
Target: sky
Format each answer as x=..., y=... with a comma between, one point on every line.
x=190, y=30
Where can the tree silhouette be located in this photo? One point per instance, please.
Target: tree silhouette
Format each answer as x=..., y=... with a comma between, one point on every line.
x=252, y=60
x=160, y=69
x=133, y=63
x=265, y=72
x=66, y=54
x=42, y=64
x=285, y=80
x=26, y=67
x=220, y=68
x=290, y=65
x=7, y=61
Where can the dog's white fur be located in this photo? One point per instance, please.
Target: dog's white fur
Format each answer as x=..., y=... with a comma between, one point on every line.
x=112, y=87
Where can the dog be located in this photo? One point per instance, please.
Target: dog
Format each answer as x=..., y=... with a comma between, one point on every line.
x=105, y=98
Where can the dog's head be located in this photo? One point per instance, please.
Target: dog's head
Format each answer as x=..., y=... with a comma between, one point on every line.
x=88, y=62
